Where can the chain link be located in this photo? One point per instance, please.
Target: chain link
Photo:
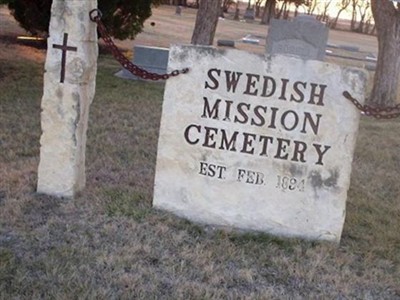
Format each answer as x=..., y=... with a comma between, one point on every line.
x=95, y=16
x=389, y=112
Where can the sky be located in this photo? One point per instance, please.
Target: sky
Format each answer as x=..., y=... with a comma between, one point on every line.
x=332, y=9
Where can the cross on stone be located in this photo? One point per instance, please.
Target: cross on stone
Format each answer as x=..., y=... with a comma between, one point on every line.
x=64, y=49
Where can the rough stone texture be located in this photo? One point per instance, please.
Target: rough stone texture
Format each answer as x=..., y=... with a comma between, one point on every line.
x=305, y=37
x=151, y=59
x=65, y=106
x=237, y=183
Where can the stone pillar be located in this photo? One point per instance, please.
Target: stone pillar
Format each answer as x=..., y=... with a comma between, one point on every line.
x=69, y=87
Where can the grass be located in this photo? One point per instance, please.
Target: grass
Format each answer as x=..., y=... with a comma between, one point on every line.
x=109, y=243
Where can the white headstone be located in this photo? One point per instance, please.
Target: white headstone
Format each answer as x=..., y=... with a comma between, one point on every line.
x=258, y=143
x=69, y=87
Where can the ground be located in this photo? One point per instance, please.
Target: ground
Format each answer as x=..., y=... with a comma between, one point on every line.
x=108, y=242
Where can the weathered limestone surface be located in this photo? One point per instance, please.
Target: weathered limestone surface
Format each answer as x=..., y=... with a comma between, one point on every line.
x=258, y=143
x=65, y=105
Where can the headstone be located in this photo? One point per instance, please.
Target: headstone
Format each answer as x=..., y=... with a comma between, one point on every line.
x=331, y=45
x=371, y=61
x=178, y=10
x=69, y=87
x=305, y=37
x=258, y=143
x=249, y=14
x=370, y=67
x=371, y=57
x=152, y=59
x=249, y=39
x=349, y=48
x=226, y=43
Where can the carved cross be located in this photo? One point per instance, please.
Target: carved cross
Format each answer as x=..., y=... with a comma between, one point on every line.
x=64, y=49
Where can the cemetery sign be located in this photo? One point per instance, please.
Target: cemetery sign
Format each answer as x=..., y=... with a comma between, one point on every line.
x=258, y=143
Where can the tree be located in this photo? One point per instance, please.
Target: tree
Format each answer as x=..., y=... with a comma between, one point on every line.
x=342, y=5
x=268, y=12
x=123, y=18
x=386, y=80
x=363, y=9
x=324, y=16
x=258, y=7
x=206, y=22
x=226, y=4
x=281, y=11
x=311, y=6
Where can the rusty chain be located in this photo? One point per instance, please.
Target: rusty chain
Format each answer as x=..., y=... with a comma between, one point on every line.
x=95, y=16
x=389, y=112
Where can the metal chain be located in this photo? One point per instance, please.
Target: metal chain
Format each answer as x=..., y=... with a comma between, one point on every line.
x=389, y=112
x=95, y=16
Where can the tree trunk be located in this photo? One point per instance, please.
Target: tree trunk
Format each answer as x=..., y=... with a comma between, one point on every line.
x=269, y=11
x=225, y=5
x=237, y=12
x=206, y=22
x=363, y=9
x=333, y=24
x=386, y=80
x=282, y=9
x=312, y=6
x=286, y=12
x=354, y=15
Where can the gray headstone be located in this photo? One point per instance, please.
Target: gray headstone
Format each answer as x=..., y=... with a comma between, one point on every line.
x=226, y=43
x=370, y=67
x=334, y=46
x=249, y=14
x=152, y=59
x=350, y=48
x=249, y=39
x=305, y=37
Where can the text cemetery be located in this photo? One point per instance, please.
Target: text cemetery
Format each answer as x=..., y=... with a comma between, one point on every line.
x=267, y=116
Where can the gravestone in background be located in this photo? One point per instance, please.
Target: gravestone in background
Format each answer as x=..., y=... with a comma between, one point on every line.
x=69, y=87
x=304, y=37
x=152, y=59
x=258, y=143
x=249, y=14
x=226, y=43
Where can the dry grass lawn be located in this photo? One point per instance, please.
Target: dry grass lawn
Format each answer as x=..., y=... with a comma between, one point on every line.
x=108, y=243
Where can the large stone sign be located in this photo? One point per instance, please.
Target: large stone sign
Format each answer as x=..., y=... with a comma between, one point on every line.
x=258, y=143
x=304, y=37
x=69, y=86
